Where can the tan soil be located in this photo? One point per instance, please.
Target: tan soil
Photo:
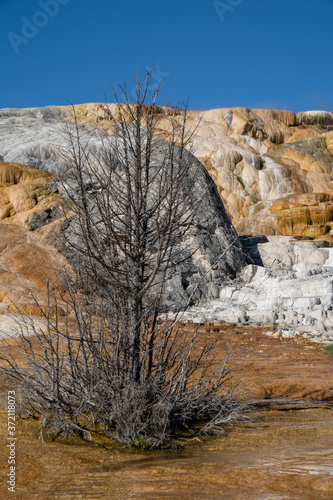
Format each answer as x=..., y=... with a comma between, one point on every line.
x=278, y=455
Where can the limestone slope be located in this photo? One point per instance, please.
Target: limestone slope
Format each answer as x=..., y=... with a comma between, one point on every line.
x=273, y=169
x=26, y=195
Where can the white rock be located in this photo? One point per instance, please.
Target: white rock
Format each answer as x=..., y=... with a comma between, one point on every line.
x=293, y=291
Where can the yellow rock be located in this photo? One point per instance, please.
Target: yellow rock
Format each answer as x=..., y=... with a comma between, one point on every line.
x=14, y=173
x=329, y=141
x=25, y=265
x=24, y=193
x=308, y=215
x=302, y=132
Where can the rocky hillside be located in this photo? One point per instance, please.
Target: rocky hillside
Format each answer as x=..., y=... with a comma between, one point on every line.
x=30, y=215
x=273, y=169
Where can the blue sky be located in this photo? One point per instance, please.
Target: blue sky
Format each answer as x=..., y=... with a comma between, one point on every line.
x=219, y=53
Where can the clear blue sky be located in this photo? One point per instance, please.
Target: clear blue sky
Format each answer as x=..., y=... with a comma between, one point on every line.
x=253, y=53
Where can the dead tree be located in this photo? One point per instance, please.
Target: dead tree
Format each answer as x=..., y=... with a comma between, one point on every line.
x=131, y=206
x=135, y=205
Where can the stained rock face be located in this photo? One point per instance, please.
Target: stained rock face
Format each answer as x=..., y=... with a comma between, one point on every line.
x=309, y=215
x=25, y=265
x=25, y=196
x=259, y=157
x=254, y=170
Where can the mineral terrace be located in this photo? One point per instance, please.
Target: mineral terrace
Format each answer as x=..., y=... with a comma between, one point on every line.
x=273, y=172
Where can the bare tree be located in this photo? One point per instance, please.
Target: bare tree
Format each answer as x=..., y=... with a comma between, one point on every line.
x=132, y=207
x=130, y=223
x=73, y=375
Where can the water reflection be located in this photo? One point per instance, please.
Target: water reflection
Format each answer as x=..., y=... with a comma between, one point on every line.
x=260, y=462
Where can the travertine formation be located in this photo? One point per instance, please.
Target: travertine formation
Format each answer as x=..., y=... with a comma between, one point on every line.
x=260, y=158
x=273, y=171
x=25, y=265
x=270, y=167
x=288, y=289
x=26, y=196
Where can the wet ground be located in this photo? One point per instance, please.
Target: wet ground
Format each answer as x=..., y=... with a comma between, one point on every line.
x=282, y=453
